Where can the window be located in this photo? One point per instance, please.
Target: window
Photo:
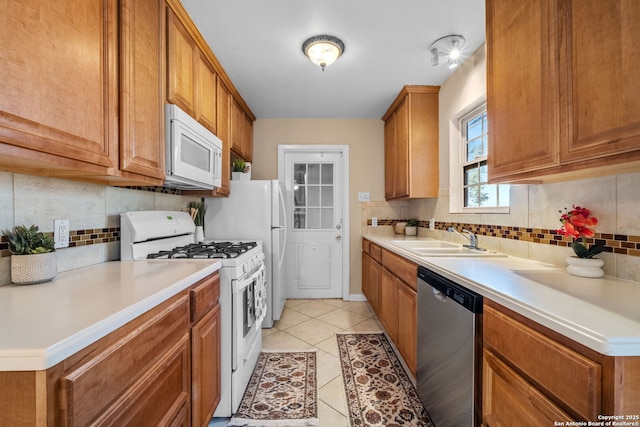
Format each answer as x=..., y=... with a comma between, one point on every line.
x=313, y=196
x=469, y=142
x=477, y=193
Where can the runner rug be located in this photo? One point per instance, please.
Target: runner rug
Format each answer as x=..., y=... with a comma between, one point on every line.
x=378, y=390
x=282, y=391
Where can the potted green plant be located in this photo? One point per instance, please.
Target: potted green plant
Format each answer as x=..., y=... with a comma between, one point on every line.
x=412, y=227
x=239, y=166
x=33, y=259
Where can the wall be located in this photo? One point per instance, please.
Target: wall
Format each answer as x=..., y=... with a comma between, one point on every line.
x=93, y=212
x=366, y=167
x=614, y=200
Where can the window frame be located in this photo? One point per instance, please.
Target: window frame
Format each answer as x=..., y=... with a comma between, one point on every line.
x=458, y=147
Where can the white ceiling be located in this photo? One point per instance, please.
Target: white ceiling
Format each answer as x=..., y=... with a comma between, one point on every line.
x=259, y=42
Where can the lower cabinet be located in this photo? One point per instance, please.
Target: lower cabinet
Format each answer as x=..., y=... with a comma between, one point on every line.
x=162, y=368
x=389, y=283
x=535, y=376
x=205, y=371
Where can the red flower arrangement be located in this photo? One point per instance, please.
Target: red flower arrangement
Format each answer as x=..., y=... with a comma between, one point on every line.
x=576, y=223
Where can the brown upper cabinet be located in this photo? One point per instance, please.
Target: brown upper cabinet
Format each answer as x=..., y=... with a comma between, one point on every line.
x=99, y=115
x=192, y=81
x=241, y=133
x=68, y=118
x=411, y=144
x=559, y=84
x=142, y=47
x=90, y=109
x=200, y=86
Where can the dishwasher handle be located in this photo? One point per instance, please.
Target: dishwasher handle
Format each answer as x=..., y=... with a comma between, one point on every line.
x=439, y=295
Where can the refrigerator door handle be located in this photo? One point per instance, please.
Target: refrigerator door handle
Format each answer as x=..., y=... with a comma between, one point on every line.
x=284, y=225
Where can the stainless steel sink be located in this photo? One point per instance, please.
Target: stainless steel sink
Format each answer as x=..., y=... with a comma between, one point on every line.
x=424, y=244
x=438, y=248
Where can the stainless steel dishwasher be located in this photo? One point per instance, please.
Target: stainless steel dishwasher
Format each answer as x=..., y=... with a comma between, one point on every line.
x=449, y=355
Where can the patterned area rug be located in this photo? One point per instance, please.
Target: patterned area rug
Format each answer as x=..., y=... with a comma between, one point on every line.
x=282, y=391
x=378, y=390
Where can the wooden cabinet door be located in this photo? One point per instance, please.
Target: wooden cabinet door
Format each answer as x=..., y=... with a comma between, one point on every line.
x=401, y=167
x=407, y=325
x=58, y=91
x=205, y=93
x=142, y=87
x=602, y=86
x=181, y=62
x=223, y=131
x=237, y=129
x=522, y=86
x=205, y=355
x=389, y=303
x=248, y=138
x=389, y=156
x=508, y=400
x=375, y=270
x=366, y=286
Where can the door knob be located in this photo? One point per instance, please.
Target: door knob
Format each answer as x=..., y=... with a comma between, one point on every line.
x=338, y=237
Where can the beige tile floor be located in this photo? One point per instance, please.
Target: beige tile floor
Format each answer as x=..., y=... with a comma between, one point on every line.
x=312, y=325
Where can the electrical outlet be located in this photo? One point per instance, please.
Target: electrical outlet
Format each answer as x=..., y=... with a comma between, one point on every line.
x=61, y=233
x=364, y=196
x=374, y=221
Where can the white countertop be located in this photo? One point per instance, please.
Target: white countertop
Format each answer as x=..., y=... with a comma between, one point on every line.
x=43, y=324
x=602, y=314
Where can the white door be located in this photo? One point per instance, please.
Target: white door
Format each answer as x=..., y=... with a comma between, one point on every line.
x=314, y=205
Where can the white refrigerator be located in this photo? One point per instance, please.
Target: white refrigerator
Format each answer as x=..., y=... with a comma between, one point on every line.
x=254, y=211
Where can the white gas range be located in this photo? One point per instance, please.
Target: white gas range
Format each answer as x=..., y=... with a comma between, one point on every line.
x=170, y=235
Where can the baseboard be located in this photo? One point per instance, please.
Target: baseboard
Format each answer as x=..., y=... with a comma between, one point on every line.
x=357, y=297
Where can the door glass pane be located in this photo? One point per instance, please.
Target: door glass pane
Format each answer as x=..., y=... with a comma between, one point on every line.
x=327, y=218
x=313, y=196
x=299, y=173
x=299, y=198
x=314, y=173
x=314, y=219
x=327, y=196
x=299, y=219
x=327, y=174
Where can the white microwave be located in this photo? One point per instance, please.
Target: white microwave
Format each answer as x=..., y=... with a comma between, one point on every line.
x=193, y=153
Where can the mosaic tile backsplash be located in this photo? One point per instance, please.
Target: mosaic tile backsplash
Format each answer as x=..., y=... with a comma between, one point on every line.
x=621, y=244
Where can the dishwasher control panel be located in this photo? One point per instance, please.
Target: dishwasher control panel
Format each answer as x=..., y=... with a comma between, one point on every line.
x=455, y=292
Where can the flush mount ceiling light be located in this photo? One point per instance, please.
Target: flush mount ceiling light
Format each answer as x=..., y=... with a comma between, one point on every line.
x=323, y=50
x=449, y=47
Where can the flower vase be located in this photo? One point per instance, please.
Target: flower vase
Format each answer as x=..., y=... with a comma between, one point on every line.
x=585, y=267
x=410, y=231
x=199, y=237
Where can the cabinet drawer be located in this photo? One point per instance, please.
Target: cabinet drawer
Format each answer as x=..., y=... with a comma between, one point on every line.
x=90, y=388
x=401, y=268
x=365, y=246
x=376, y=252
x=508, y=400
x=159, y=396
x=204, y=295
x=571, y=378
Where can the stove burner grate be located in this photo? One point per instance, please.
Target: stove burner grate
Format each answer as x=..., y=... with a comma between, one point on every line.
x=206, y=250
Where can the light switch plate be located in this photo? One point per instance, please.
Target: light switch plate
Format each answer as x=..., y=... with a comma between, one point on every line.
x=364, y=196
x=61, y=233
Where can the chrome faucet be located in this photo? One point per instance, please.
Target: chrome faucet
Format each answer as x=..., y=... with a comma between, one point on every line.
x=472, y=238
